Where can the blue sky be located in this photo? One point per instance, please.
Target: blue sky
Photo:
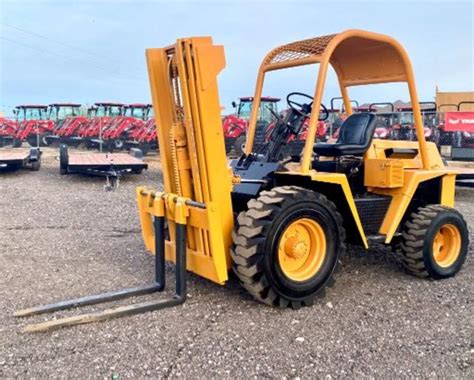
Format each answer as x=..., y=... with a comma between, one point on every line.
x=86, y=51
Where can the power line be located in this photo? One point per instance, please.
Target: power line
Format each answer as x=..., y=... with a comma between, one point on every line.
x=59, y=43
x=42, y=50
x=55, y=41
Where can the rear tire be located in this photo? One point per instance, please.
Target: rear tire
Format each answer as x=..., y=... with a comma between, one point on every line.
x=239, y=146
x=118, y=144
x=435, y=242
x=304, y=221
x=145, y=148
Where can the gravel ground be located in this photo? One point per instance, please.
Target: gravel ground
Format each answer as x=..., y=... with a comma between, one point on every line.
x=63, y=237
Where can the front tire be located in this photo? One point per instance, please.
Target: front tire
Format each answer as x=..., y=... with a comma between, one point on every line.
x=287, y=246
x=435, y=242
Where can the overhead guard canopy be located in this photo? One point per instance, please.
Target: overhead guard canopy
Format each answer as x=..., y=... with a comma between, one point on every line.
x=357, y=56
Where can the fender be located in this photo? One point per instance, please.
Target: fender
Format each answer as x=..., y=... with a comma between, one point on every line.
x=332, y=181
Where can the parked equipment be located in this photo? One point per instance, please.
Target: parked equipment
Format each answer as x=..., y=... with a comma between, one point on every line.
x=235, y=126
x=143, y=138
x=293, y=223
x=33, y=125
x=109, y=165
x=117, y=133
x=404, y=129
x=18, y=159
x=8, y=129
x=68, y=119
x=385, y=119
x=104, y=112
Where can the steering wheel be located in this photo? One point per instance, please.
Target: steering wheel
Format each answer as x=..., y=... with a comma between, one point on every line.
x=305, y=109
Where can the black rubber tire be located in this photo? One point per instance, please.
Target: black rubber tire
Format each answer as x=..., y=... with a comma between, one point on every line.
x=256, y=239
x=145, y=148
x=118, y=144
x=416, y=248
x=63, y=159
x=239, y=143
x=36, y=165
x=33, y=140
x=88, y=144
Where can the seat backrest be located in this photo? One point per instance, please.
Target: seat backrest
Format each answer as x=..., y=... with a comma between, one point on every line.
x=357, y=129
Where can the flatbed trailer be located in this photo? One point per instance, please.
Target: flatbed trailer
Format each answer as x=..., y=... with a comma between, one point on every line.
x=465, y=177
x=109, y=165
x=465, y=169
x=15, y=159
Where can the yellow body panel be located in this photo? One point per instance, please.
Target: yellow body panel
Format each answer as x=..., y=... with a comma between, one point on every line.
x=385, y=173
x=340, y=180
x=401, y=198
x=378, y=150
x=412, y=175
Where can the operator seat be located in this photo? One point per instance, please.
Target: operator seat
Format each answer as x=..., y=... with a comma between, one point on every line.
x=354, y=139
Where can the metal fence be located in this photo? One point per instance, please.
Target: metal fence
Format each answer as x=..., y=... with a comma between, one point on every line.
x=453, y=141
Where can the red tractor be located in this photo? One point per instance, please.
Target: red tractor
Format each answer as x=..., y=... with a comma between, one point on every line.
x=33, y=125
x=102, y=112
x=296, y=141
x=144, y=138
x=404, y=128
x=386, y=117
x=68, y=120
x=7, y=131
x=235, y=126
x=116, y=135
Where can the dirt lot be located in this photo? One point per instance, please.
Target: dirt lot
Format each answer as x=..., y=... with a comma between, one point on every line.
x=63, y=237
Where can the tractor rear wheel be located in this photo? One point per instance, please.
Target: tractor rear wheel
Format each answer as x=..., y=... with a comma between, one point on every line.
x=435, y=242
x=145, y=148
x=238, y=147
x=287, y=246
x=118, y=144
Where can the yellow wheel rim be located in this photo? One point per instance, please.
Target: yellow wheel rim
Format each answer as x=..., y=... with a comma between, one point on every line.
x=302, y=249
x=447, y=245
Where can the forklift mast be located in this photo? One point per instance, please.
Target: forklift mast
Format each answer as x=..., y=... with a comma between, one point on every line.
x=183, y=81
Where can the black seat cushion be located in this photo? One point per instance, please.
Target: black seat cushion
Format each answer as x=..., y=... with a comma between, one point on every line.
x=354, y=139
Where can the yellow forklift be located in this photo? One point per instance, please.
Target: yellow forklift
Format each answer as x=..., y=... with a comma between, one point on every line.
x=282, y=226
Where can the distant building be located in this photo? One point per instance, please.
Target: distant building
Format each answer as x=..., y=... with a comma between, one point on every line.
x=450, y=100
